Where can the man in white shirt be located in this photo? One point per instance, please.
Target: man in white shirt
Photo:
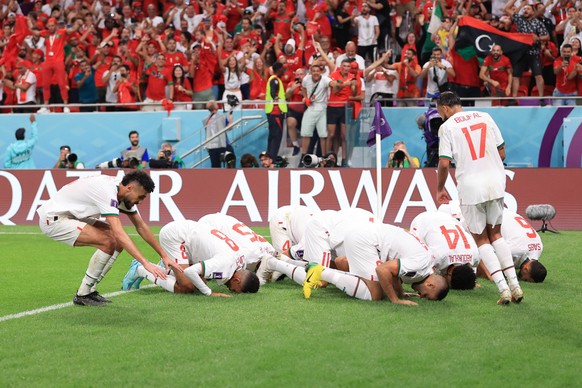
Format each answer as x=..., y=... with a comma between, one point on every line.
x=315, y=90
x=454, y=251
x=368, y=33
x=474, y=142
x=351, y=55
x=202, y=252
x=380, y=258
x=73, y=216
x=526, y=247
x=25, y=87
x=323, y=240
x=110, y=78
x=436, y=70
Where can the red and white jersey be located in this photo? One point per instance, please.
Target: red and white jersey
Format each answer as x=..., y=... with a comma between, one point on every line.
x=29, y=95
x=90, y=197
x=448, y=242
x=472, y=139
x=325, y=234
x=525, y=243
x=368, y=245
x=287, y=226
x=191, y=242
x=254, y=245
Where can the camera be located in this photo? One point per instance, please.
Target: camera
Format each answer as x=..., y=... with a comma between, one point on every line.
x=297, y=80
x=232, y=100
x=113, y=163
x=280, y=162
x=399, y=156
x=315, y=161
x=227, y=158
x=71, y=158
x=167, y=154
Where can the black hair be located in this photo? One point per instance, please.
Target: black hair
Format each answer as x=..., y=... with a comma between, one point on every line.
x=19, y=134
x=248, y=160
x=444, y=292
x=132, y=132
x=537, y=271
x=250, y=283
x=140, y=177
x=449, y=99
x=463, y=277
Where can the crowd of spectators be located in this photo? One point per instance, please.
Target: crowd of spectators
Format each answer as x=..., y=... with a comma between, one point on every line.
x=180, y=54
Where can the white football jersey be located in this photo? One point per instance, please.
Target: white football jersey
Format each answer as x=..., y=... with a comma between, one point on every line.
x=93, y=196
x=472, y=139
x=325, y=233
x=190, y=242
x=524, y=242
x=287, y=226
x=448, y=242
x=368, y=245
x=253, y=244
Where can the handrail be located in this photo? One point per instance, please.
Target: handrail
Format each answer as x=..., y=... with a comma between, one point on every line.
x=227, y=128
x=234, y=141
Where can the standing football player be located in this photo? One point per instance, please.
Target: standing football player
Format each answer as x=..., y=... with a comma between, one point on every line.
x=474, y=142
x=72, y=215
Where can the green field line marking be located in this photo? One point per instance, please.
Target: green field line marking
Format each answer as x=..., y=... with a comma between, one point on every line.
x=61, y=306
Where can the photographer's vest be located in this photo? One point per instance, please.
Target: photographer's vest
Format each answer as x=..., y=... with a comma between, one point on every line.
x=280, y=94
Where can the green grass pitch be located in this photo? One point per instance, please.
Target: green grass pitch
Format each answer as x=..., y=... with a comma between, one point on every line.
x=276, y=338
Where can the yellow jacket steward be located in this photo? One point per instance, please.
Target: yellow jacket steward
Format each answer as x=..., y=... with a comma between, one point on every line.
x=281, y=94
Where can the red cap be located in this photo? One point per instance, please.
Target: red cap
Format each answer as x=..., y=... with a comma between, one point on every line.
x=24, y=63
x=52, y=20
x=243, y=41
x=136, y=4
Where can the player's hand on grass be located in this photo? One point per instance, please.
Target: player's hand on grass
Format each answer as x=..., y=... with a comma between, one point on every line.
x=220, y=295
x=406, y=302
x=411, y=295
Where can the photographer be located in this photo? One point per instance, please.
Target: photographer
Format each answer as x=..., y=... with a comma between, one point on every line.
x=399, y=157
x=167, y=158
x=437, y=70
x=565, y=69
x=67, y=159
x=214, y=124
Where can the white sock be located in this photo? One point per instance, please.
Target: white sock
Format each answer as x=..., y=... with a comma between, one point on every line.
x=96, y=265
x=167, y=283
x=492, y=264
x=106, y=269
x=294, y=272
x=352, y=285
x=296, y=143
x=503, y=253
x=298, y=263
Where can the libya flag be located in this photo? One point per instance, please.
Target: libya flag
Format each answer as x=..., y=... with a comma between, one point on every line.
x=476, y=38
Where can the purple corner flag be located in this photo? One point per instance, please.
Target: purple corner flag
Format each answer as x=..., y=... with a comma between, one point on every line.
x=379, y=125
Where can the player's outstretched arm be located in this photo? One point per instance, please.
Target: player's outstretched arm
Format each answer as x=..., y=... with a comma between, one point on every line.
x=442, y=195
x=387, y=272
x=146, y=233
x=127, y=243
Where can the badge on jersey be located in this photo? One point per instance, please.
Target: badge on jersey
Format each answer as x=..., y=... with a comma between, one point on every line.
x=216, y=275
x=114, y=203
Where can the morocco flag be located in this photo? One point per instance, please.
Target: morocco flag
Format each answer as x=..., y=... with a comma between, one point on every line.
x=476, y=38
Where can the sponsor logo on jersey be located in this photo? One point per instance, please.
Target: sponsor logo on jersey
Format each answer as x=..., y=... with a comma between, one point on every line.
x=114, y=203
x=216, y=275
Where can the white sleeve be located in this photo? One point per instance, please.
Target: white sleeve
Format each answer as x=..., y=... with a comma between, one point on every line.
x=193, y=274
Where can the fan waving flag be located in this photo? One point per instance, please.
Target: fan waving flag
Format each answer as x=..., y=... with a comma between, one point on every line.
x=379, y=126
x=476, y=38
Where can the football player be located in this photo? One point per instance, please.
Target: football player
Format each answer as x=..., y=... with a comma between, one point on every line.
x=203, y=253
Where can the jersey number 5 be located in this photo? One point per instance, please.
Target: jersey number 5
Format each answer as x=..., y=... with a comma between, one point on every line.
x=482, y=137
